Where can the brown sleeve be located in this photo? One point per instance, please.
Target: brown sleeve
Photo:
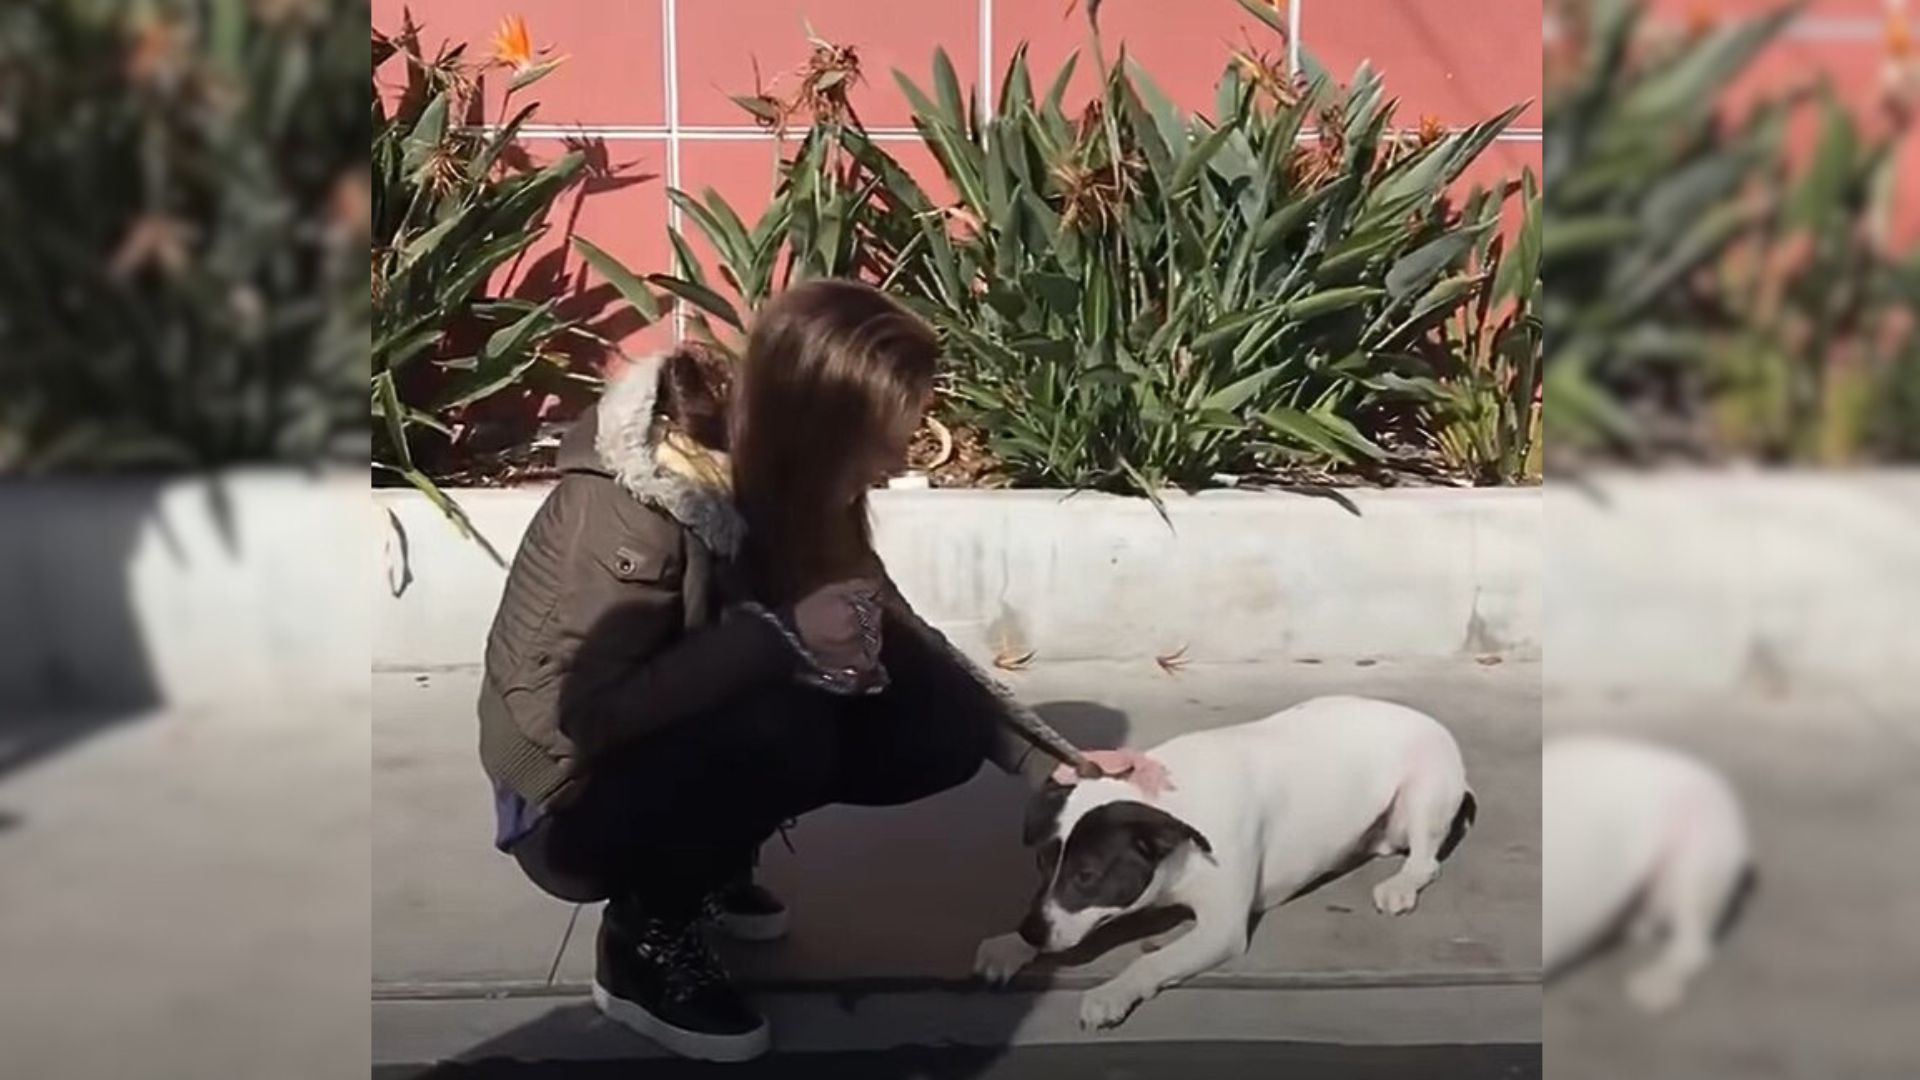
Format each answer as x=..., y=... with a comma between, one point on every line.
x=632, y=669
x=703, y=671
x=1023, y=744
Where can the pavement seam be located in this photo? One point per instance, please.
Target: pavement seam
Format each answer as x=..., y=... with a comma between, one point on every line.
x=573, y=919
x=499, y=989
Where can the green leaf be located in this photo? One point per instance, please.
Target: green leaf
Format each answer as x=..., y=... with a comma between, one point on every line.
x=1303, y=428
x=390, y=410
x=1200, y=156
x=1420, y=266
x=686, y=264
x=484, y=382
x=480, y=264
x=1820, y=195
x=1519, y=271
x=532, y=75
x=1230, y=398
x=423, y=245
x=629, y=285
x=701, y=297
x=760, y=109
x=427, y=133
x=1057, y=91
x=1016, y=90
x=510, y=342
x=947, y=85
x=1266, y=13
x=1328, y=301
x=452, y=510
x=1349, y=436
x=391, y=356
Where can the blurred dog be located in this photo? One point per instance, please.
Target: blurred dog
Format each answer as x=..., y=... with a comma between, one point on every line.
x=1259, y=812
x=1638, y=836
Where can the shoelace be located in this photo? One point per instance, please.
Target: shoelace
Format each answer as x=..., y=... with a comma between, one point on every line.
x=687, y=960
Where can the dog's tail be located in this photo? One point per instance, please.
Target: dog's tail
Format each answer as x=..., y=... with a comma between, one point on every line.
x=1462, y=819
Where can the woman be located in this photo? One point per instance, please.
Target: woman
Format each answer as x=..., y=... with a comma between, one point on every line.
x=692, y=650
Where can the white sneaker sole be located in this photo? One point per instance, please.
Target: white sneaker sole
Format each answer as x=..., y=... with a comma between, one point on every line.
x=698, y=1045
x=754, y=928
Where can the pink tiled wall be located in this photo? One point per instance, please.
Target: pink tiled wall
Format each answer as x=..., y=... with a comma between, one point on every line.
x=649, y=80
x=1843, y=42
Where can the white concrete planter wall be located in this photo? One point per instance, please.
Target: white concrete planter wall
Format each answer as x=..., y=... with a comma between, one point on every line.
x=127, y=592
x=1238, y=577
x=1718, y=581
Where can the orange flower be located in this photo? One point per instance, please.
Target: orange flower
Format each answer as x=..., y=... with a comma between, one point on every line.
x=1898, y=36
x=512, y=45
x=159, y=54
x=1431, y=129
x=1701, y=19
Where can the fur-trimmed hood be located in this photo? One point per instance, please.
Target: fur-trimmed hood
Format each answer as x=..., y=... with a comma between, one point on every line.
x=623, y=439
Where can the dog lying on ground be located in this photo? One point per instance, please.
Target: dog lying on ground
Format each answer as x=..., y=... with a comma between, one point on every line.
x=1254, y=814
x=1638, y=835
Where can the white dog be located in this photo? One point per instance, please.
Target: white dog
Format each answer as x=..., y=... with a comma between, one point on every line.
x=1637, y=833
x=1256, y=812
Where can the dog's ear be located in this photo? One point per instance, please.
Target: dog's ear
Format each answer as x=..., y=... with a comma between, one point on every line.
x=1157, y=833
x=1043, y=812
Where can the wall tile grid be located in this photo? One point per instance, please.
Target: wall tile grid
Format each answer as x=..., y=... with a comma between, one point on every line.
x=1843, y=43
x=647, y=82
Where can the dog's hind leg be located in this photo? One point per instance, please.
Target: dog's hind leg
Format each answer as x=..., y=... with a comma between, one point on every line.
x=1687, y=897
x=1430, y=816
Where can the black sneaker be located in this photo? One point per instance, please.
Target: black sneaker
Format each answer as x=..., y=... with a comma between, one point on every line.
x=750, y=912
x=661, y=978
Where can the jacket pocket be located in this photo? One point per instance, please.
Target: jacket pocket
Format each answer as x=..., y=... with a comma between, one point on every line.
x=634, y=565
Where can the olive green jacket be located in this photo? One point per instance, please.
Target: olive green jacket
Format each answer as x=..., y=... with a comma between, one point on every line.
x=621, y=615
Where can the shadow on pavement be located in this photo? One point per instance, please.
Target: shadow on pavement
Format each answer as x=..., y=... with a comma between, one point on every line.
x=1094, y=1061
x=64, y=568
x=578, y=1028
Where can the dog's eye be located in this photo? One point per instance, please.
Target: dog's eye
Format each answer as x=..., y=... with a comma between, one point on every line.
x=1086, y=875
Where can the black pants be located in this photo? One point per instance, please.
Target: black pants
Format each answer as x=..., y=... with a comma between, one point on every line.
x=671, y=818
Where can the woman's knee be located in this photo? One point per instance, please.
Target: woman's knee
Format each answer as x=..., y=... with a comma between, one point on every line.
x=549, y=869
x=785, y=742
x=902, y=755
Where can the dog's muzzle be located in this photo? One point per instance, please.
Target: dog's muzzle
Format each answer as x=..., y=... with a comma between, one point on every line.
x=1033, y=929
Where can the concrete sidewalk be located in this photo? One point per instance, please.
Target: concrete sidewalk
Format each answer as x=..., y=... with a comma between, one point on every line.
x=1818, y=978
x=888, y=905
x=186, y=892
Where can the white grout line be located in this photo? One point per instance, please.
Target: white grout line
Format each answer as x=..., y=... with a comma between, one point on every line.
x=642, y=132
x=670, y=27
x=986, y=61
x=1810, y=28
x=1837, y=28
x=1293, y=36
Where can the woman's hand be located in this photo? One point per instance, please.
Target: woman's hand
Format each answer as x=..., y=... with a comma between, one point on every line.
x=1131, y=765
x=840, y=624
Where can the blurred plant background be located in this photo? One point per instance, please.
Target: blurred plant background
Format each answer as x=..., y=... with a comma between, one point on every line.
x=183, y=201
x=1716, y=291
x=1134, y=298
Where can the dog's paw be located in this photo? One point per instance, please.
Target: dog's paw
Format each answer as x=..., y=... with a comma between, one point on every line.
x=1395, y=896
x=1107, y=1005
x=1655, y=990
x=1001, y=958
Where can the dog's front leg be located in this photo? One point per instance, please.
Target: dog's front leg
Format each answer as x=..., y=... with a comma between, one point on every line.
x=999, y=959
x=1214, y=940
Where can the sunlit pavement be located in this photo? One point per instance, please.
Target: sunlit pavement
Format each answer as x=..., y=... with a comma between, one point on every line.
x=1817, y=978
x=470, y=962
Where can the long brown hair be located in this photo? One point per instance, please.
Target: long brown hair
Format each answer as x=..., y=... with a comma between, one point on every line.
x=695, y=385
x=834, y=370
